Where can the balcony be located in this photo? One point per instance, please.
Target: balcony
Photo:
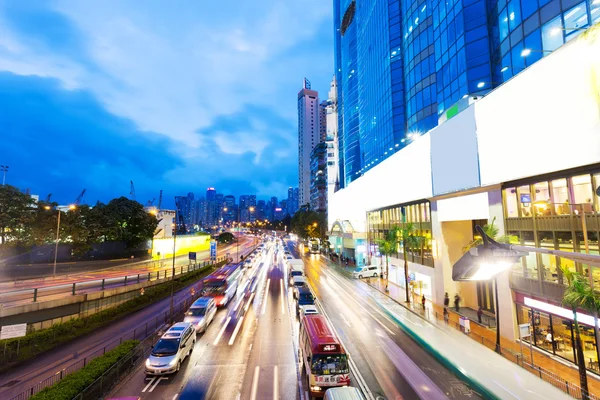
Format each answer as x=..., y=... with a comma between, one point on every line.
x=541, y=289
x=553, y=223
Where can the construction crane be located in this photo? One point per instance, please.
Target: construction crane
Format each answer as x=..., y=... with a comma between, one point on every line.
x=150, y=202
x=132, y=191
x=159, y=200
x=48, y=198
x=79, y=198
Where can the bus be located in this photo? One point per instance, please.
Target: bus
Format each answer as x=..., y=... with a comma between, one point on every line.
x=323, y=356
x=222, y=284
x=313, y=246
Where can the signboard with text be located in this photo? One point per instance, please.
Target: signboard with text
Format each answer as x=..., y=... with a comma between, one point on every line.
x=13, y=331
x=192, y=255
x=213, y=249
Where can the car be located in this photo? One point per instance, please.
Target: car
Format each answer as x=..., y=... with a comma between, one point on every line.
x=201, y=313
x=248, y=263
x=343, y=393
x=305, y=298
x=171, y=350
x=288, y=257
x=309, y=309
x=367, y=272
x=294, y=273
x=297, y=282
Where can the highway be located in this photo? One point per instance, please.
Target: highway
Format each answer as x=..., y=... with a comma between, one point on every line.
x=255, y=357
x=22, y=292
x=25, y=376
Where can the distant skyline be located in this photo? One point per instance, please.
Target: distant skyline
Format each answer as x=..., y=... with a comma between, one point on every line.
x=95, y=94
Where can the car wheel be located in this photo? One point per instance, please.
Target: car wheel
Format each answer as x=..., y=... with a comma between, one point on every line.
x=178, y=366
x=375, y=275
x=360, y=277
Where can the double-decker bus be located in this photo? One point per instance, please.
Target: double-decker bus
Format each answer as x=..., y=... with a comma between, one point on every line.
x=222, y=284
x=323, y=357
x=313, y=246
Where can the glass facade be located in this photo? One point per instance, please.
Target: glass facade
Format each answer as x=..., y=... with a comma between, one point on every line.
x=555, y=334
x=549, y=214
x=401, y=63
x=419, y=214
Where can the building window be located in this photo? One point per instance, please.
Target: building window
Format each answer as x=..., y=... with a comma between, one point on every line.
x=575, y=18
x=503, y=24
x=595, y=11
x=553, y=34
x=582, y=193
x=510, y=198
x=542, y=203
x=560, y=196
x=524, y=198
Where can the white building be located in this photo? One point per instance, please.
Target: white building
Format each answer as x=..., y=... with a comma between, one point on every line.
x=333, y=173
x=308, y=137
x=526, y=156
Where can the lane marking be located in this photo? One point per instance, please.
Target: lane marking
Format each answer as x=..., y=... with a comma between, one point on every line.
x=162, y=378
x=265, y=297
x=344, y=318
x=149, y=383
x=255, y=383
x=282, y=298
x=221, y=331
x=249, y=302
x=236, y=330
x=275, y=383
x=174, y=397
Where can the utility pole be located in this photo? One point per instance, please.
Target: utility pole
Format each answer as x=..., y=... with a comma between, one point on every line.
x=173, y=270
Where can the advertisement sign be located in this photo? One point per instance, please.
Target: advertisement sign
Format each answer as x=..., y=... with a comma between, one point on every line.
x=192, y=255
x=213, y=249
x=13, y=331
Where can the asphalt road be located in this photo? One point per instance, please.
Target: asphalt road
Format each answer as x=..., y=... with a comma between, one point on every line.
x=391, y=364
x=27, y=375
x=21, y=292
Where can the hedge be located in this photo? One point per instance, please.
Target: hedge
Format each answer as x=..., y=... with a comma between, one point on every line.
x=43, y=340
x=75, y=383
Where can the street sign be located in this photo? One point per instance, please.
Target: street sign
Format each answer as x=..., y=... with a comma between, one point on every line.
x=524, y=330
x=213, y=249
x=13, y=331
x=192, y=255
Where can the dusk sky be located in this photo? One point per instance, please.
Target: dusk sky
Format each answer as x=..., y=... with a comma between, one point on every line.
x=180, y=97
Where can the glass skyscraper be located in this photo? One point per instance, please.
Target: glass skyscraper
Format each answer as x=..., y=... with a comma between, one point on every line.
x=401, y=64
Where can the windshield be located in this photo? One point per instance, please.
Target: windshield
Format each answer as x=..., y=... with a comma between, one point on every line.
x=329, y=364
x=296, y=273
x=196, y=312
x=212, y=291
x=299, y=283
x=214, y=283
x=165, y=347
x=306, y=298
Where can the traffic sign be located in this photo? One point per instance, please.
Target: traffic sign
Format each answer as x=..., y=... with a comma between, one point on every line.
x=213, y=249
x=192, y=255
x=13, y=331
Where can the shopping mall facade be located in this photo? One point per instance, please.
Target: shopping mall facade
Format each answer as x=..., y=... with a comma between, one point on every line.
x=526, y=156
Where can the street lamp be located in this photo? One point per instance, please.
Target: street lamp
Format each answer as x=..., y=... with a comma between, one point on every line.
x=4, y=169
x=71, y=207
x=173, y=269
x=526, y=52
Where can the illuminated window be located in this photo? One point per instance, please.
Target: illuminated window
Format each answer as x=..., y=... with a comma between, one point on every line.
x=553, y=34
x=524, y=198
x=560, y=196
x=510, y=197
x=582, y=193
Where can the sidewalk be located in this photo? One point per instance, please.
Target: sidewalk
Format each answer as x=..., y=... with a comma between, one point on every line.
x=551, y=369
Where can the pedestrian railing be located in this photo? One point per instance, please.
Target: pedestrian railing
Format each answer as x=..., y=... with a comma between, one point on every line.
x=32, y=295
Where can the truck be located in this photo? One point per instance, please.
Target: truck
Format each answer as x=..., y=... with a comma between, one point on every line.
x=295, y=263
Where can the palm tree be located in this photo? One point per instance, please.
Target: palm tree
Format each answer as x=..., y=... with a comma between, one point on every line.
x=409, y=241
x=388, y=246
x=492, y=231
x=580, y=295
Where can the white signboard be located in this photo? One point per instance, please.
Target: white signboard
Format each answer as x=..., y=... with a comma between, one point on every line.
x=13, y=331
x=524, y=330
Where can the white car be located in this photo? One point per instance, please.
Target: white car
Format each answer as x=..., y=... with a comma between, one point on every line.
x=201, y=313
x=171, y=349
x=367, y=271
x=308, y=310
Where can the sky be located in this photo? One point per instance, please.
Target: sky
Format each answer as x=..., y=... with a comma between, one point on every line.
x=178, y=96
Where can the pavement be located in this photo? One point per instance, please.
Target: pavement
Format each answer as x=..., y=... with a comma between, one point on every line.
x=482, y=334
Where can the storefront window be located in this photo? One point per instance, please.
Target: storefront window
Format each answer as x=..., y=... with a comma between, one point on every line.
x=560, y=196
x=596, y=183
x=582, y=193
x=563, y=338
x=510, y=196
x=542, y=203
x=524, y=197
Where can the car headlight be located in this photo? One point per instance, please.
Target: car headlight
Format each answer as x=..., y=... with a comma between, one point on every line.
x=148, y=363
x=173, y=362
x=315, y=388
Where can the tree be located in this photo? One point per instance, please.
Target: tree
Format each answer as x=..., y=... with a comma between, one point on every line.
x=579, y=295
x=226, y=237
x=492, y=231
x=129, y=222
x=409, y=241
x=15, y=215
x=388, y=246
x=303, y=224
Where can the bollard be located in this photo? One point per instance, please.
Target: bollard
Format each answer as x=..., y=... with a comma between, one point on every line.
x=138, y=278
x=125, y=280
x=149, y=276
x=73, y=291
x=35, y=295
x=102, y=284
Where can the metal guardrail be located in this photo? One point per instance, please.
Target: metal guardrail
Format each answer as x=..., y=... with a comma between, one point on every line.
x=144, y=332
x=33, y=295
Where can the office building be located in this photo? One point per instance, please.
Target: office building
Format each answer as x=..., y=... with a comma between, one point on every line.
x=229, y=209
x=331, y=139
x=186, y=212
x=308, y=136
x=434, y=58
x=261, y=210
x=524, y=156
x=211, y=207
x=318, y=178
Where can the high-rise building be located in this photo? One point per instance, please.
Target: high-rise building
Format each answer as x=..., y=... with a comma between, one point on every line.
x=252, y=208
x=434, y=59
x=284, y=207
x=186, y=212
x=290, y=201
x=261, y=207
x=308, y=136
x=229, y=209
x=211, y=207
x=331, y=122
x=296, y=199
x=219, y=208
x=318, y=178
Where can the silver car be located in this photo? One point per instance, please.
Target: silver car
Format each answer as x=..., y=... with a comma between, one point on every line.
x=201, y=313
x=171, y=350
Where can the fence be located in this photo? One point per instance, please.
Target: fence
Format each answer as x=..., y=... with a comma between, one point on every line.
x=144, y=332
x=32, y=295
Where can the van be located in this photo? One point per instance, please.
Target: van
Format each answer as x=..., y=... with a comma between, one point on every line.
x=171, y=349
x=201, y=313
x=343, y=393
x=293, y=273
x=298, y=282
x=366, y=272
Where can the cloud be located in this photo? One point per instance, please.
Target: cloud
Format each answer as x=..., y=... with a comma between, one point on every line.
x=214, y=82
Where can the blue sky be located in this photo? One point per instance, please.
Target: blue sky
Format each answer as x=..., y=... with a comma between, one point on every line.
x=176, y=96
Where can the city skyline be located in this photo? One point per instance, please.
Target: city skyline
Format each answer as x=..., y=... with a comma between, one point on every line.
x=191, y=122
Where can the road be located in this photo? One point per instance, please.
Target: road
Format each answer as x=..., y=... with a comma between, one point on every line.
x=25, y=376
x=21, y=292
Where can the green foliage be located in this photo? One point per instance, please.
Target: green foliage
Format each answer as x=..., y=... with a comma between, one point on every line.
x=43, y=340
x=492, y=231
x=579, y=294
x=75, y=383
x=309, y=224
x=15, y=215
x=226, y=237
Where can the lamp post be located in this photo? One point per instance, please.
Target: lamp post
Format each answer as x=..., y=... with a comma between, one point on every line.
x=173, y=270
x=71, y=207
x=4, y=169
